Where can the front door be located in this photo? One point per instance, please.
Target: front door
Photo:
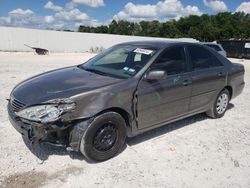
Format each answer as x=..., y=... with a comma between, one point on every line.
x=165, y=99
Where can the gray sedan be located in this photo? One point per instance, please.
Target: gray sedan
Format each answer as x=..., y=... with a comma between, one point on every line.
x=126, y=90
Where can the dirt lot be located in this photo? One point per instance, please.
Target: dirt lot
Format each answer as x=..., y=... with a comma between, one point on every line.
x=194, y=152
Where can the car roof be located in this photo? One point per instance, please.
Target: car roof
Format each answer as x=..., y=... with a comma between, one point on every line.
x=210, y=43
x=156, y=43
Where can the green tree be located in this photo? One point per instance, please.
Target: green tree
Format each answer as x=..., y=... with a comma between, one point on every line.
x=153, y=28
x=102, y=29
x=124, y=28
x=224, y=25
x=113, y=27
x=195, y=32
x=169, y=30
x=144, y=28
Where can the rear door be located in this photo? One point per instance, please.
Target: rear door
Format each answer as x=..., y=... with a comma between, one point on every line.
x=165, y=99
x=208, y=77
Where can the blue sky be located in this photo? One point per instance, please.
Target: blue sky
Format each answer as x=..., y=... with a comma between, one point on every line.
x=63, y=14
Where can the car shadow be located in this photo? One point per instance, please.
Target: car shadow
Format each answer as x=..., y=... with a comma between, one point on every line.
x=230, y=106
x=157, y=132
x=44, y=150
x=169, y=127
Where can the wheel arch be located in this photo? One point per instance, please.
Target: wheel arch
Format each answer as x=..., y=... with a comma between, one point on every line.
x=230, y=90
x=126, y=116
x=82, y=125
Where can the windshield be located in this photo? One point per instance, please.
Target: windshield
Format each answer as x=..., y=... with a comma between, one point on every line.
x=120, y=61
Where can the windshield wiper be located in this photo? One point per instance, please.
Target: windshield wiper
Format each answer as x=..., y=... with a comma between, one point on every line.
x=100, y=72
x=96, y=71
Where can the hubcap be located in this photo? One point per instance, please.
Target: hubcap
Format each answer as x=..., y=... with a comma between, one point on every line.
x=105, y=137
x=222, y=103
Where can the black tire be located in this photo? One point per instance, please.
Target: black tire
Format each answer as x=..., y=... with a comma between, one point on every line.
x=214, y=112
x=104, y=138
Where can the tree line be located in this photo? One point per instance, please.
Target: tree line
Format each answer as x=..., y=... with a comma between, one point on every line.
x=221, y=26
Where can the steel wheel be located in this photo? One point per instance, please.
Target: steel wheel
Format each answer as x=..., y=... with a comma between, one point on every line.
x=105, y=137
x=222, y=103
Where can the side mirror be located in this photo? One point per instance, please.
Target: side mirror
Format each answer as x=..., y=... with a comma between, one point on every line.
x=156, y=75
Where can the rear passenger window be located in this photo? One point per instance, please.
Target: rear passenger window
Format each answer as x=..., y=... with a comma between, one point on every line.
x=216, y=62
x=201, y=58
x=173, y=61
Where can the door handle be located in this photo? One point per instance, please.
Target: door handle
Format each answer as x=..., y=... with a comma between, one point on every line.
x=186, y=82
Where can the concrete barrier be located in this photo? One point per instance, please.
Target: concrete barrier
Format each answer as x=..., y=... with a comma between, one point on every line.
x=13, y=39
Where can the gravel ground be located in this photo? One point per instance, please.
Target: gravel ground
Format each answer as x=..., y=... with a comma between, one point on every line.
x=194, y=152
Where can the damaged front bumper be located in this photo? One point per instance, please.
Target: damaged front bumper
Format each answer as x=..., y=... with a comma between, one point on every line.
x=67, y=134
x=29, y=131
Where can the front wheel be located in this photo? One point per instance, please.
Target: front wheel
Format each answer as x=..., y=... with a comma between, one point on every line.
x=220, y=105
x=104, y=138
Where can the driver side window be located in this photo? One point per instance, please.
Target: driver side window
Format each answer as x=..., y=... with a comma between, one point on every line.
x=173, y=61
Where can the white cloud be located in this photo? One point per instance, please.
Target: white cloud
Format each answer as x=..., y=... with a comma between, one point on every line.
x=69, y=17
x=49, y=19
x=72, y=15
x=59, y=25
x=192, y=10
x=20, y=17
x=91, y=23
x=163, y=10
x=69, y=13
x=140, y=10
x=90, y=3
x=52, y=6
x=21, y=12
x=216, y=5
x=244, y=7
x=70, y=5
x=66, y=18
x=175, y=9
x=5, y=20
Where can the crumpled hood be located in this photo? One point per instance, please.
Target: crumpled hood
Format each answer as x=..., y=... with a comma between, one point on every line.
x=61, y=83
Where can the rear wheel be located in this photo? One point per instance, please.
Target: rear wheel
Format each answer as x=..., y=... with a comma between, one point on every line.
x=104, y=138
x=220, y=105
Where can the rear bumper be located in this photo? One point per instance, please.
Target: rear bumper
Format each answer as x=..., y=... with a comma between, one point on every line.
x=237, y=90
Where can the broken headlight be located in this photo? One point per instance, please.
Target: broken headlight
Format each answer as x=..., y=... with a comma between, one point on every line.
x=45, y=113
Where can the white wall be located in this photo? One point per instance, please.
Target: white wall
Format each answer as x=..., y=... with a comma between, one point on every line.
x=13, y=39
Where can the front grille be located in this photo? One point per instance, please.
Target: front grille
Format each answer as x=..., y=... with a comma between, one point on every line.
x=16, y=105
